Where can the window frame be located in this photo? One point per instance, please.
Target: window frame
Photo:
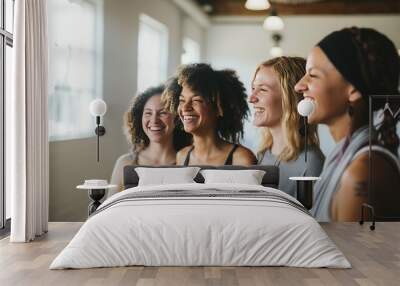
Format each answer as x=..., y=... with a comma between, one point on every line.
x=98, y=6
x=163, y=29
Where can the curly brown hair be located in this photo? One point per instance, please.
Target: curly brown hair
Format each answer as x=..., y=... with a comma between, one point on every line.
x=222, y=89
x=133, y=128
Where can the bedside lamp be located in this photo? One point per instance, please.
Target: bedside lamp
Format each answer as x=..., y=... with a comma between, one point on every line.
x=98, y=108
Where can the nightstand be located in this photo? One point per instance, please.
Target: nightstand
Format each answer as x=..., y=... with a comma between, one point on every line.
x=96, y=191
x=304, y=190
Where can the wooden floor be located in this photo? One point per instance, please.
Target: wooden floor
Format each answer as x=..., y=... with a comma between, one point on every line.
x=375, y=257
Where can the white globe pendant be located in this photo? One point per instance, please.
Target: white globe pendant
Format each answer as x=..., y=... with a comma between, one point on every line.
x=257, y=5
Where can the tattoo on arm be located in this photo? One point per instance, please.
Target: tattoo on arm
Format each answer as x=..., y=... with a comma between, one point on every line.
x=361, y=189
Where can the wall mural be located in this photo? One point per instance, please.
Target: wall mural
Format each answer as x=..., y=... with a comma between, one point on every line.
x=197, y=114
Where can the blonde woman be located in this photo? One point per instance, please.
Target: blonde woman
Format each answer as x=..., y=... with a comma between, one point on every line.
x=275, y=103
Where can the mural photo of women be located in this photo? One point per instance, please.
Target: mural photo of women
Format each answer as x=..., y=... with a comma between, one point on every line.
x=229, y=101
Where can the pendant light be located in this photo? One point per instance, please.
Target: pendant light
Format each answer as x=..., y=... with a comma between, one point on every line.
x=257, y=5
x=273, y=22
x=276, y=50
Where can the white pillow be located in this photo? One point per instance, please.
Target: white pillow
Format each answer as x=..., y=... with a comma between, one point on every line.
x=163, y=176
x=248, y=177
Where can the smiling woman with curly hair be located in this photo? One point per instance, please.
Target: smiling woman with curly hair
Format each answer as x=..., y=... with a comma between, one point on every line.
x=136, y=132
x=212, y=106
x=154, y=134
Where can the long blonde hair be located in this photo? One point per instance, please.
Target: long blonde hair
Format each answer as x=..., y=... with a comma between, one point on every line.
x=289, y=70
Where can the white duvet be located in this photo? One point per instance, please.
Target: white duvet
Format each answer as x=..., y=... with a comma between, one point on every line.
x=185, y=231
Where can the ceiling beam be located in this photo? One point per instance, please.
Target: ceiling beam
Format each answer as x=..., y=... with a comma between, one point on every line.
x=342, y=7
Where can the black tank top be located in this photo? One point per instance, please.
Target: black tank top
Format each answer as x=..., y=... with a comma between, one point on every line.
x=228, y=160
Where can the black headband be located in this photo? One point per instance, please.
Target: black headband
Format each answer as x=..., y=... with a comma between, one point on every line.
x=343, y=51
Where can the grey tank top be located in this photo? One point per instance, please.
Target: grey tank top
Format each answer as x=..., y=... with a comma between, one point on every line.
x=294, y=168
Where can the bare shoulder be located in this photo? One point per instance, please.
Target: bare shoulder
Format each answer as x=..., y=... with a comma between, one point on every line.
x=181, y=155
x=352, y=192
x=123, y=161
x=383, y=168
x=353, y=188
x=243, y=156
x=355, y=176
x=118, y=172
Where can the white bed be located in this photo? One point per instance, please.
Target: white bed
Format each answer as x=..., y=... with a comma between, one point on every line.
x=222, y=225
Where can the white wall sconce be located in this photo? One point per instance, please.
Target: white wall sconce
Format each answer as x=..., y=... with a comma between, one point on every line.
x=97, y=109
x=257, y=5
x=305, y=107
x=304, y=184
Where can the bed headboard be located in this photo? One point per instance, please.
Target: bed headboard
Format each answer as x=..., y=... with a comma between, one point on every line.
x=270, y=179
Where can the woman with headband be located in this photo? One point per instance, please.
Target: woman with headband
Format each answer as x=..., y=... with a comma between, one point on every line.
x=342, y=71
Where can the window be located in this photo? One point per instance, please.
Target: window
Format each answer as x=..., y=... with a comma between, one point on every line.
x=75, y=66
x=152, y=53
x=6, y=44
x=191, y=51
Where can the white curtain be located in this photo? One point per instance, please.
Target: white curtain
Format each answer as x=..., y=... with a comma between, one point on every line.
x=27, y=139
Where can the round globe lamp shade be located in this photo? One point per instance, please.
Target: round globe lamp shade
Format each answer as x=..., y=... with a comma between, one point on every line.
x=306, y=107
x=98, y=107
x=273, y=23
x=257, y=5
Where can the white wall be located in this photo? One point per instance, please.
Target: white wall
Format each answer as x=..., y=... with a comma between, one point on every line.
x=243, y=44
x=240, y=46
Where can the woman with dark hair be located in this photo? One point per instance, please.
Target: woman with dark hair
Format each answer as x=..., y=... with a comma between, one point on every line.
x=152, y=132
x=343, y=70
x=275, y=102
x=212, y=106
